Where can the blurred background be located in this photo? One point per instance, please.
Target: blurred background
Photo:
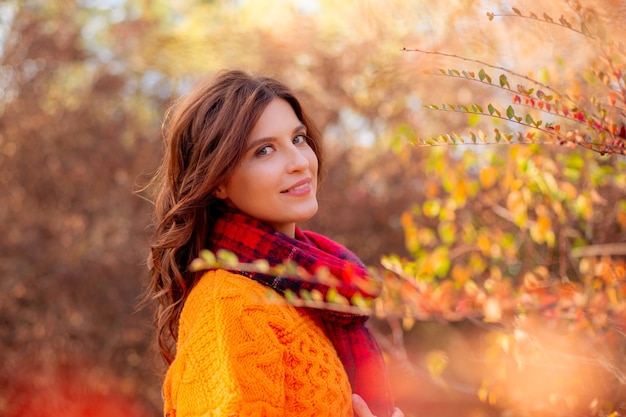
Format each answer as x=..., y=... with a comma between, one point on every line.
x=83, y=88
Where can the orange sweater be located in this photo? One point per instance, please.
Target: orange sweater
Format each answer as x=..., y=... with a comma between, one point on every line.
x=238, y=355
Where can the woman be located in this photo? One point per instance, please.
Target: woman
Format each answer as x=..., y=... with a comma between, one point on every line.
x=240, y=170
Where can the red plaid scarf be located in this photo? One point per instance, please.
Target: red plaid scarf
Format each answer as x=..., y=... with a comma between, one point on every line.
x=357, y=349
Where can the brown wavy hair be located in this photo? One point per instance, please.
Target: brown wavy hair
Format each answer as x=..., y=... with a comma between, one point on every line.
x=204, y=134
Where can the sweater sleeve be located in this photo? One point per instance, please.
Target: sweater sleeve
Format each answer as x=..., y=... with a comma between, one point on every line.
x=228, y=361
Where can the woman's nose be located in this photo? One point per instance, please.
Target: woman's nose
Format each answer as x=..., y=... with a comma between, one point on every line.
x=297, y=159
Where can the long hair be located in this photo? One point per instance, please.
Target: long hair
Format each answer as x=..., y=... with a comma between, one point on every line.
x=204, y=134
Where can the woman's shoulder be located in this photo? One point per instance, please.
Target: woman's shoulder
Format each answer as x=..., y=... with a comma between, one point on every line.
x=219, y=289
x=221, y=284
x=221, y=296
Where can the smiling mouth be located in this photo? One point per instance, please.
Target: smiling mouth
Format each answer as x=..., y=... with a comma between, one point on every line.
x=300, y=187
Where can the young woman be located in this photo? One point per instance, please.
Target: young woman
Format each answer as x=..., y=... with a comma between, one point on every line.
x=240, y=170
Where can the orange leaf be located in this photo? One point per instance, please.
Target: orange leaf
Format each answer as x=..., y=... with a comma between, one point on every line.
x=488, y=176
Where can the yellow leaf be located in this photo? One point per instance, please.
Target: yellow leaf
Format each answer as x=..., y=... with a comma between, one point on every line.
x=492, y=398
x=483, y=391
x=488, y=176
x=436, y=362
x=408, y=322
x=504, y=341
x=515, y=202
x=544, y=224
x=460, y=192
x=484, y=244
x=461, y=274
x=584, y=206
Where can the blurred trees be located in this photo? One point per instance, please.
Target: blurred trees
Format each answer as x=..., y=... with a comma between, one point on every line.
x=72, y=144
x=83, y=89
x=526, y=242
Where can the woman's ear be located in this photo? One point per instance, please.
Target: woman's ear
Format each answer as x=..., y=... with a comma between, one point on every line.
x=221, y=192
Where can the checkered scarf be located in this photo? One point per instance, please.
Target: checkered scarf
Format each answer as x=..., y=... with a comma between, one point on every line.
x=357, y=349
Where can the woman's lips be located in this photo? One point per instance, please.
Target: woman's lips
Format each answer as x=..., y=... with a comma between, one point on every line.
x=300, y=188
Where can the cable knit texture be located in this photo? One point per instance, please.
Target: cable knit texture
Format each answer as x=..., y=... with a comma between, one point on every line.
x=240, y=355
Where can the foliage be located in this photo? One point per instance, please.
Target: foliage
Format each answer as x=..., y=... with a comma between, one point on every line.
x=524, y=245
x=595, y=119
x=526, y=242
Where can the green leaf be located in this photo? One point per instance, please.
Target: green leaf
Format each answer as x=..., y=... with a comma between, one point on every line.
x=493, y=110
x=504, y=82
x=510, y=113
x=530, y=120
x=227, y=258
x=498, y=135
x=207, y=256
x=473, y=137
x=290, y=296
x=261, y=265
x=431, y=208
x=484, y=76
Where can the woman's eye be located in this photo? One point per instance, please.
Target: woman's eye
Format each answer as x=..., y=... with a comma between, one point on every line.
x=298, y=139
x=264, y=150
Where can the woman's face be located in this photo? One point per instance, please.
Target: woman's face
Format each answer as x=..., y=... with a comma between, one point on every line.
x=276, y=181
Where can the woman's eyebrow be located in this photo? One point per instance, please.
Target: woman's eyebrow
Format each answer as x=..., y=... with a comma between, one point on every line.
x=258, y=142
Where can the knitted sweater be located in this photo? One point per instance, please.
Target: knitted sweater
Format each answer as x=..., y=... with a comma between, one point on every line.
x=240, y=355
